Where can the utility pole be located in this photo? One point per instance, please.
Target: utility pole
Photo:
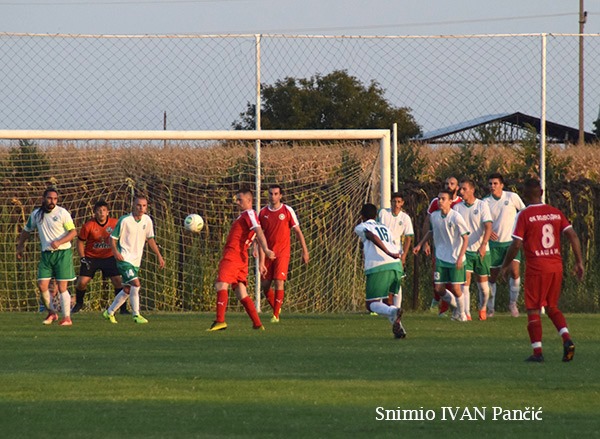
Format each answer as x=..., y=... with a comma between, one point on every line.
x=582, y=20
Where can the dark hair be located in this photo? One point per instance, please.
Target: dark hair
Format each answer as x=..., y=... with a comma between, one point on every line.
x=276, y=186
x=497, y=176
x=245, y=190
x=99, y=204
x=41, y=210
x=533, y=183
x=369, y=211
x=469, y=182
x=397, y=195
x=446, y=191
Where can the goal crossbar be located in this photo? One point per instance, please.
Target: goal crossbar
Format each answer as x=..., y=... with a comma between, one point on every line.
x=367, y=134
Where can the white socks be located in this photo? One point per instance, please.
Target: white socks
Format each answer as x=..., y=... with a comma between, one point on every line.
x=65, y=303
x=466, y=298
x=450, y=298
x=120, y=299
x=515, y=287
x=48, y=301
x=134, y=300
x=398, y=298
x=484, y=294
x=492, y=299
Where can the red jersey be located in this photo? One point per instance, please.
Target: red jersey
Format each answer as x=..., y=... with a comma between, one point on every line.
x=434, y=205
x=97, y=238
x=539, y=226
x=241, y=236
x=277, y=225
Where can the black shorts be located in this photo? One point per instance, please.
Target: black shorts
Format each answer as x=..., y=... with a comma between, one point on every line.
x=107, y=266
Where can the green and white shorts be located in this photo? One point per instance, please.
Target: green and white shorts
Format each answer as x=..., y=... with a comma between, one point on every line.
x=446, y=273
x=380, y=283
x=475, y=264
x=56, y=264
x=127, y=271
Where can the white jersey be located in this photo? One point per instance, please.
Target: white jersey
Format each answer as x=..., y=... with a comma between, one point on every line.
x=475, y=215
x=504, y=212
x=400, y=225
x=447, y=234
x=131, y=236
x=52, y=226
x=375, y=258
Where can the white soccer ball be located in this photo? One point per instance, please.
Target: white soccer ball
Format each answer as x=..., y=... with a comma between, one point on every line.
x=193, y=222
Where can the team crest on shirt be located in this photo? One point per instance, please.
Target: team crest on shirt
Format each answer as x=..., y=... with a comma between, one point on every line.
x=506, y=202
x=54, y=218
x=144, y=227
x=281, y=216
x=109, y=230
x=475, y=212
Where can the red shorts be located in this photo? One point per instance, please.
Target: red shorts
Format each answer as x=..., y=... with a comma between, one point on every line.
x=542, y=289
x=233, y=272
x=277, y=269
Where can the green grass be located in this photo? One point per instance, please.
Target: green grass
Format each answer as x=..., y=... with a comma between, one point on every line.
x=308, y=376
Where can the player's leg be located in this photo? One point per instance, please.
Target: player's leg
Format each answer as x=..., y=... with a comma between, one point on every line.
x=222, y=289
x=242, y=295
x=43, y=282
x=534, y=297
x=466, y=287
x=514, y=283
x=80, y=288
x=65, y=272
x=134, y=300
x=481, y=271
x=377, y=287
x=109, y=269
x=556, y=315
x=279, y=295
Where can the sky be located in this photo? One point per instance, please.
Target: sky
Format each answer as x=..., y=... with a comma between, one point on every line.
x=322, y=17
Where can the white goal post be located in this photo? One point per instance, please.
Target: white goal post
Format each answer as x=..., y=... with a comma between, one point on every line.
x=381, y=135
x=367, y=134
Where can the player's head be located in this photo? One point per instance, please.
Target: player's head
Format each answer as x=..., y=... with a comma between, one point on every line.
x=533, y=191
x=451, y=184
x=101, y=211
x=140, y=206
x=275, y=194
x=368, y=211
x=467, y=189
x=496, y=184
x=244, y=198
x=397, y=202
x=445, y=197
x=49, y=200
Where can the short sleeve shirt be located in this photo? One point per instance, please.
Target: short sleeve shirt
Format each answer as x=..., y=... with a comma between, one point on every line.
x=132, y=235
x=277, y=224
x=375, y=258
x=97, y=238
x=400, y=225
x=447, y=235
x=504, y=212
x=240, y=236
x=51, y=226
x=475, y=215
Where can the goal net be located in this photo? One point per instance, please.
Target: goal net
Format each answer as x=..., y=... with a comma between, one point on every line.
x=325, y=179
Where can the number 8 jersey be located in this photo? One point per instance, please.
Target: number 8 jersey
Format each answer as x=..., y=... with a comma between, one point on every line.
x=539, y=226
x=375, y=259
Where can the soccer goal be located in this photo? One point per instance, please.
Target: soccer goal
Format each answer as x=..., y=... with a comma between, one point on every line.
x=326, y=176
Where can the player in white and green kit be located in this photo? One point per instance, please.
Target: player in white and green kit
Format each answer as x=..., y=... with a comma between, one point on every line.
x=401, y=226
x=504, y=206
x=476, y=214
x=56, y=229
x=128, y=239
x=450, y=239
x=382, y=267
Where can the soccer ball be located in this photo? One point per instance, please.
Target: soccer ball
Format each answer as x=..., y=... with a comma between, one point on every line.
x=194, y=223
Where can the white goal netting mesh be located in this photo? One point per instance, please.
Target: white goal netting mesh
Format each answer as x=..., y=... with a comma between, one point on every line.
x=325, y=182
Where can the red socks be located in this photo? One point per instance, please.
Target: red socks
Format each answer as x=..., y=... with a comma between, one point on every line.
x=278, y=303
x=251, y=311
x=534, y=327
x=222, y=299
x=559, y=321
x=271, y=298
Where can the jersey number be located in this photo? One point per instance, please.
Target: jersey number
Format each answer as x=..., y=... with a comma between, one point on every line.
x=548, y=236
x=383, y=234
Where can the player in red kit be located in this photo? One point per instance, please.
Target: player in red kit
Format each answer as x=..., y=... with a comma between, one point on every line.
x=233, y=267
x=537, y=230
x=276, y=220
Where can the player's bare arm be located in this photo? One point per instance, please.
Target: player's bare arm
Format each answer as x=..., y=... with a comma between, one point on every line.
x=116, y=253
x=23, y=237
x=486, y=238
x=463, y=251
x=417, y=248
x=379, y=243
x=302, y=241
x=576, y=247
x=262, y=241
x=511, y=253
x=68, y=237
x=154, y=247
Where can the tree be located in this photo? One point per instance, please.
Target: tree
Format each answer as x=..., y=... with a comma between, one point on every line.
x=334, y=101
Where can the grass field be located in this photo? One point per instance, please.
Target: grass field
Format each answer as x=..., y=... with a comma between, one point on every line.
x=308, y=376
